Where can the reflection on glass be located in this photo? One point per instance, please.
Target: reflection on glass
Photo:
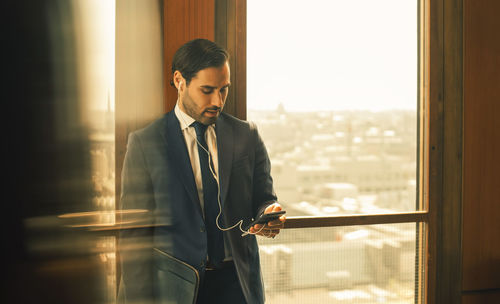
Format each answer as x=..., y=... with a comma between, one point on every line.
x=357, y=264
x=95, y=38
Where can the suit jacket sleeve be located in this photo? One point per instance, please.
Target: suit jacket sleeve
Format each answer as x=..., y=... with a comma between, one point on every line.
x=135, y=242
x=263, y=191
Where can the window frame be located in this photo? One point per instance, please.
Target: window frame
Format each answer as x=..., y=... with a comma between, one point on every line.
x=439, y=170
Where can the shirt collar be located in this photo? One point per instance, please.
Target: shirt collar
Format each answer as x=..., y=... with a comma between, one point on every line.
x=184, y=119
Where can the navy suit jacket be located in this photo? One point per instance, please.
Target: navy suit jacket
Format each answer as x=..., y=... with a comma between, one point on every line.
x=157, y=178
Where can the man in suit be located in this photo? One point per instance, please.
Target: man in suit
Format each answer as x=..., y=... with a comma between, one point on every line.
x=199, y=176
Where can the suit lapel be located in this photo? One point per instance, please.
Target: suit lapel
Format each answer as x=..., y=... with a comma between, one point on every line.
x=225, y=155
x=179, y=158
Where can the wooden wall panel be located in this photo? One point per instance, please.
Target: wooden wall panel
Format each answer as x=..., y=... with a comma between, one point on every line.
x=183, y=20
x=230, y=32
x=434, y=68
x=482, y=298
x=449, y=241
x=481, y=209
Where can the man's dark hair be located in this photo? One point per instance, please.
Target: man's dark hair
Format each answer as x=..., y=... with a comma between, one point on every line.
x=196, y=55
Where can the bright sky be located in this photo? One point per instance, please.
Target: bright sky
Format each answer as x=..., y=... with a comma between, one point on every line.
x=332, y=54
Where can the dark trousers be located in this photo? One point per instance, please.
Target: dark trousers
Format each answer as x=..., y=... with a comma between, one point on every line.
x=221, y=286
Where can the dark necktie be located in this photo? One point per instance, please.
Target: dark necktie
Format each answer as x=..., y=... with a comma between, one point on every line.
x=210, y=193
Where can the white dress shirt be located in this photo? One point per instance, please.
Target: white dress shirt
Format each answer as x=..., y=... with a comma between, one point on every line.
x=190, y=138
x=189, y=133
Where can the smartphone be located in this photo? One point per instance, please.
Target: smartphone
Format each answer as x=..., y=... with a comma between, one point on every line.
x=265, y=218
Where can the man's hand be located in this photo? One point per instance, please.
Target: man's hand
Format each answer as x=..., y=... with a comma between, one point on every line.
x=271, y=229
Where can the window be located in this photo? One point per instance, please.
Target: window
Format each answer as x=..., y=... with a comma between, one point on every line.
x=334, y=88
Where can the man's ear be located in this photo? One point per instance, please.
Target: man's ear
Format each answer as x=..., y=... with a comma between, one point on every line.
x=178, y=80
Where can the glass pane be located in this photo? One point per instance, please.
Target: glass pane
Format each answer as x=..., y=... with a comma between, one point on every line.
x=356, y=264
x=333, y=89
x=95, y=23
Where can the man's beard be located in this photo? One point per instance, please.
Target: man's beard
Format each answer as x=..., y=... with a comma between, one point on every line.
x=190, y=107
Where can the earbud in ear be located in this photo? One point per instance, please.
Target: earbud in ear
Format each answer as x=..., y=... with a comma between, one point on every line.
x=180, y=83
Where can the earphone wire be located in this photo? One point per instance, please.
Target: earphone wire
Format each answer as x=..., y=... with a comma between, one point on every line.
x=212, y=171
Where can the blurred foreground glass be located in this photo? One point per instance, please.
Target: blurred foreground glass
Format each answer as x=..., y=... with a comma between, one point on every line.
x=95, y=41
x=355, y=264
x=333, y=88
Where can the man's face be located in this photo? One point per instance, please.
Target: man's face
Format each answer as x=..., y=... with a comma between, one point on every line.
x=206, y=94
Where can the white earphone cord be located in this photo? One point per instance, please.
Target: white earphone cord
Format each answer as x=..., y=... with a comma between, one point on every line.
x=212, y=171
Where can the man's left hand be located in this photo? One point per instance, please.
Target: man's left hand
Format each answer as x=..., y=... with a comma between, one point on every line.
x=271, y=229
